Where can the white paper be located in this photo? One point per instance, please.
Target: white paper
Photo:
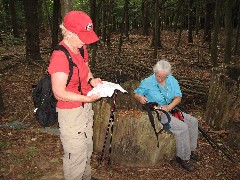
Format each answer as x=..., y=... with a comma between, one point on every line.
x=106, y=89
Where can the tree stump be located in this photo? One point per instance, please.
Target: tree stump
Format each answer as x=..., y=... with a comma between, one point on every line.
x=234, y=128
x=222, y=97
x=134, y=143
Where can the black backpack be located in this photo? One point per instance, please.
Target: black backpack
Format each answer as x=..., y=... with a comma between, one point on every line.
x=43, y=97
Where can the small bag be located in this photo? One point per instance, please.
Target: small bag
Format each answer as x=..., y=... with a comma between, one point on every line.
x=177, y=114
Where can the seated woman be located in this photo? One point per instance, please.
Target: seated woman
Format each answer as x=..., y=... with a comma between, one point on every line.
x=162, y=88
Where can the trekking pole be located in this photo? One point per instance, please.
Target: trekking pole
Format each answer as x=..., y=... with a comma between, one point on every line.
x=110, y=123
x=215, y=144
x=209, y=139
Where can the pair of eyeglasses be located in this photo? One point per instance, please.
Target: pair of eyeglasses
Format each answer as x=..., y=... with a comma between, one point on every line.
x=160, y=77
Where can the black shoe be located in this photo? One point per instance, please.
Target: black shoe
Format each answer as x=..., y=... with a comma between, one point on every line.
x=194, y=157
x=93, y=178
x=185, y=164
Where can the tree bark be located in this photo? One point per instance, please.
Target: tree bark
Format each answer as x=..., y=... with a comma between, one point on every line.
x=134, y=143
x=208, y=22
x=228, y=31
x=55, y=24
x=32, y=30
x=14, y=19
x=223, y=96
x=190, y=22
x=145, y=17
x=215, y=34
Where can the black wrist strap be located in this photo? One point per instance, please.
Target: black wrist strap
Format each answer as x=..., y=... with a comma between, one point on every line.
x=89, y=81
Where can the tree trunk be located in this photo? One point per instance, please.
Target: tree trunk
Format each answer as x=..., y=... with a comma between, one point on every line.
x=208, y=22
x=215, y=33
x=190, y=22
x=228, y=31
x=156, y=39
x=32, y=30
x=104, y=24
x=223, y=97
x=55, y=24
x=238, y=32
x=126, y=17
x=145, y=17
x=14, y=18
x=66, y=6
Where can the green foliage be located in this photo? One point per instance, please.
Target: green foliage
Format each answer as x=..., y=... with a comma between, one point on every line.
x=4, y=143
x=82, y=5
x=32, y=151
x=10, y=40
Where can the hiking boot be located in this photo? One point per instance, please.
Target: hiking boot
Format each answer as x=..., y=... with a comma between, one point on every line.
x=93, y=178
x=185, y=164
x=194, y=156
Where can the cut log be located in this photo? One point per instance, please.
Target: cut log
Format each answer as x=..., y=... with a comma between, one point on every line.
x=134, y=143
x=223, y=97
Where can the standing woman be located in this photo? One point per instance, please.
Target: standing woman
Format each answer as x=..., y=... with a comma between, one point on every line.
x=74, y=107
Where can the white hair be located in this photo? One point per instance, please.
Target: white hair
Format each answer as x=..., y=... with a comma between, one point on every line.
x=66, y=32
x=163, y=65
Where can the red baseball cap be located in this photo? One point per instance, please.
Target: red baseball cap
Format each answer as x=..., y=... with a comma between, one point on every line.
x=81, y=24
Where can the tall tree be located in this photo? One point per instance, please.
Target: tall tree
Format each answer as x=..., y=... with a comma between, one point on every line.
x=228, y=31
x=94, y=10
x=156, y=41
x=14, y=18
x=32, y=30
x=126, y=17
x=103, y=18
x=55, y=24
x=190, y=21
x=238, y=31
x=145, y=17
x=209, y=14
x=214, y=49
x=66, y=6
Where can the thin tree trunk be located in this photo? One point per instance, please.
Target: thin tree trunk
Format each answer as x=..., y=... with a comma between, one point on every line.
x=145, y=17
x=104, y=24
x=208, y=22
x=94, y=10
x=228, y=31
x=66, y=6
x=215, y=33
x=190, y=22
x=55, y=25
x=126, y=17
x=238, y=32
x=14, y=18
x=32, y=30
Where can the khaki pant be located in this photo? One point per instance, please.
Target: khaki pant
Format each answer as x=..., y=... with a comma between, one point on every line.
x=76, y=130
x=186, y=134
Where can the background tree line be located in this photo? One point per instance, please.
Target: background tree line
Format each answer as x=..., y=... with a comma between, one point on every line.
x=26, y=19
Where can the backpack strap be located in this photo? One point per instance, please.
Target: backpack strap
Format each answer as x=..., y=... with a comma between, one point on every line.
x=150, y=107
x=81, y=52
x=71, y=64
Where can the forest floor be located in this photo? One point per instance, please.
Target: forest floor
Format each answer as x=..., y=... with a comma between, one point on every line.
x=29, y=152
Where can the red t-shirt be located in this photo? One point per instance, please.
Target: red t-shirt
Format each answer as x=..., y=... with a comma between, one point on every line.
x=59, y=63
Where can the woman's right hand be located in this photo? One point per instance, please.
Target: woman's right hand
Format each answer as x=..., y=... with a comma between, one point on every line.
x=142, y=99
x=93, y=97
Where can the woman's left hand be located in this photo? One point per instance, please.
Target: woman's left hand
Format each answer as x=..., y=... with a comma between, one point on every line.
x=95, y=81
x=165, y=108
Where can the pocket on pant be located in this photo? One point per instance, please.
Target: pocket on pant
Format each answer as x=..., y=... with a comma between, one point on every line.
x=74, y=144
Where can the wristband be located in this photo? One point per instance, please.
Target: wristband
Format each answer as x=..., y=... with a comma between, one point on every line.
x=89, y=81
